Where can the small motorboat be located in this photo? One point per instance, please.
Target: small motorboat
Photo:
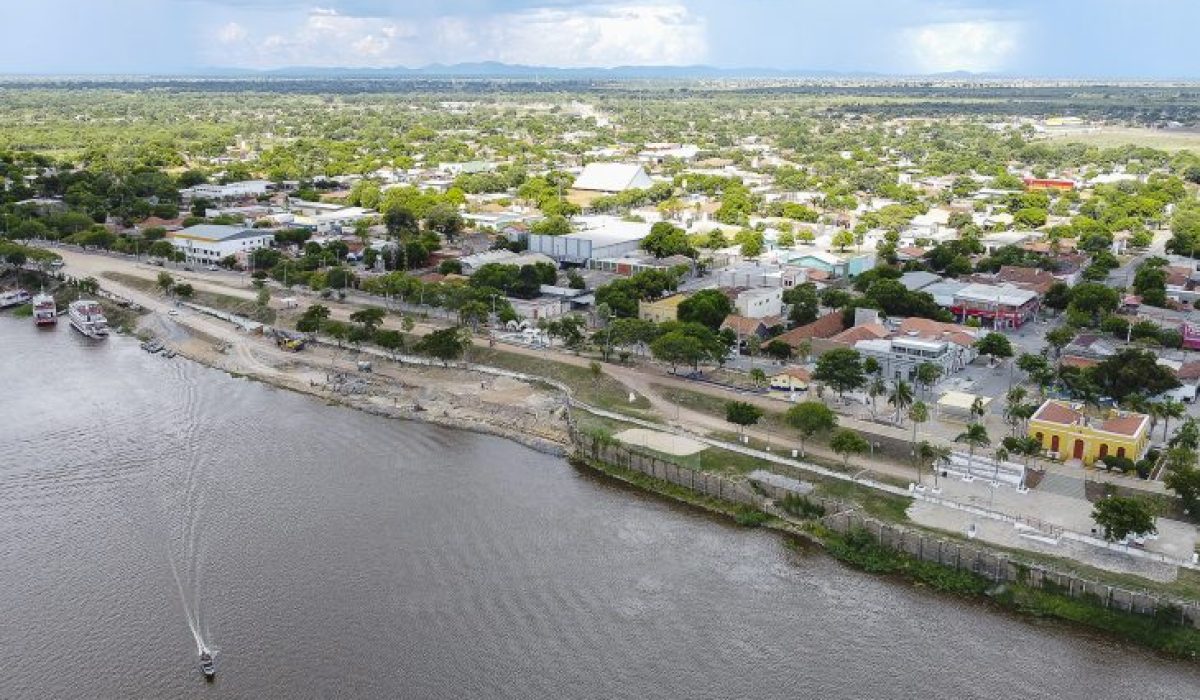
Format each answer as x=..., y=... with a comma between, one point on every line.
x=207, y=665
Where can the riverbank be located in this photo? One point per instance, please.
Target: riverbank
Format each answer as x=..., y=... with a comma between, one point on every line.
x=800, y=518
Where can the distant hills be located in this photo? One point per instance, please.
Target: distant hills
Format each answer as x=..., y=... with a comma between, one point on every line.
x=494, y=69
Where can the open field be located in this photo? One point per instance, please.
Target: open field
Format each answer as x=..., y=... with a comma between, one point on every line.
x=1112, y=137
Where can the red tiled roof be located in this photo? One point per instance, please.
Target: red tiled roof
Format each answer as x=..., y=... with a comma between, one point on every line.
x=827, y=326
x=869, y=331
x=1125, y=425
x=796, y=373
x=1188, y=370
x=742, y=325
x=1077, y=361
x=1054, y=412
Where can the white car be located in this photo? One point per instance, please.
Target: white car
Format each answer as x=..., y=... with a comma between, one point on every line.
x=173, y=312
x=212, y=268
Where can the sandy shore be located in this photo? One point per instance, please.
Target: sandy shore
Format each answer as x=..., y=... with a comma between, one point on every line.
x=451, y=397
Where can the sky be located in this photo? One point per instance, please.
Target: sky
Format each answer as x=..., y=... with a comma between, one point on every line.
x=1032, y=38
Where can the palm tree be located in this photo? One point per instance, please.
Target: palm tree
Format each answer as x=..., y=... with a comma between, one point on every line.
x=927, y=375
x=977, y=409
x=974, y=436
x=901, y=398
x=928, y=453
x=1168, y=409
x=875, y=389
x=917, y=413
x=1012, y=406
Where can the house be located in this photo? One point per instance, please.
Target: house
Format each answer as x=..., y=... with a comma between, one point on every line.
x=661, y=310
x=1090, y=345
x=755, y=276
x=918, y=280
x=759, y=303
x=611, y=178
x=1188, y=374
x=1066, y=432
x=208, y=244
x=744, y=327
x=826, y=326
x=791, y=379
x=1044, y=183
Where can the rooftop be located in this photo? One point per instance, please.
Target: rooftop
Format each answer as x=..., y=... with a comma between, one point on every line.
x=217, y=232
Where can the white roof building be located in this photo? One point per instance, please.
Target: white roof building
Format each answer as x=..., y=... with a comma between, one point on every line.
x=612, y=177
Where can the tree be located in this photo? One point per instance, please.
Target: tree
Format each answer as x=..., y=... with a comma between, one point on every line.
x=390, y=340
x=994, y=345
x=901, y=398
x=810, y=418
x=1184, y=478
x=846, y=443
x=917, y=413
x=1123, y=516
x=1059, y=338
x=932, y=455
x=758, y=376
x=1169, y=408
x=875, y=388
x=665, y=240
x=165, y=281
x=1094, y=300
x=1131, y=371
x=708, y=307
x=445, y=344
x=973, y=437
x=841, y=239
x=841, y=369
x=183, y=291
x=928, y=374
x=369, y=318
x=312, y=318
x=444, y=219
x=678, y=348
x=778, y=350
x=742, y=414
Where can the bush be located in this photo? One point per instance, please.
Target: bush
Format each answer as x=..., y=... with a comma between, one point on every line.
x=801, y=507
x=750, y=517
x=1143, y=468
x=1118, y=464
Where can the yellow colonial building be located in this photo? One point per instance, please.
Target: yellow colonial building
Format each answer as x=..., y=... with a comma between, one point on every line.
x=1067, y=433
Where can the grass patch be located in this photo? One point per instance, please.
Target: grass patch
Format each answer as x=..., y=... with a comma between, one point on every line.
x=23, y=311
x=876, y=503
x=858, y=549
x=602, y=392
x=661, y=487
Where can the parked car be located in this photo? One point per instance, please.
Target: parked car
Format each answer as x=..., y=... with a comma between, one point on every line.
x=212, y=268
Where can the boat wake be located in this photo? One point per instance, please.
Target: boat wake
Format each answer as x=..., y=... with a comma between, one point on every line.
x=193, y=626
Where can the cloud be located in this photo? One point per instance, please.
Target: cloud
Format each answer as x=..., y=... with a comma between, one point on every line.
x=231, y=33
x=606, y=34
x=979, y=46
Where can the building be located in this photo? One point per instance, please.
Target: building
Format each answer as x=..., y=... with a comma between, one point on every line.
x=743, y=327
x=791, y=379
x=471, y=263
x=1045, y=183
x=836, y=264
x=759, y=303
x=754, y=276
x=208, y=244
x=600, y=237
x=826, y=326
x=996, y=306
x=1066, y=433
x=611, y=178
x=232, y=190
x=917, y=280
x=915, y=342
x=661, y=310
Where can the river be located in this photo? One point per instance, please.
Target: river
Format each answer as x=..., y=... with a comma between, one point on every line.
x=328, y=553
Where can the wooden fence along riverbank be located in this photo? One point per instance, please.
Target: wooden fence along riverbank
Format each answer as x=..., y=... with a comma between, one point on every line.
x=844, y=519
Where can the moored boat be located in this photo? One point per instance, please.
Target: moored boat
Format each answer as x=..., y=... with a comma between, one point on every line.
x=88, y=318
x=45, y=311
x=15, y=297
